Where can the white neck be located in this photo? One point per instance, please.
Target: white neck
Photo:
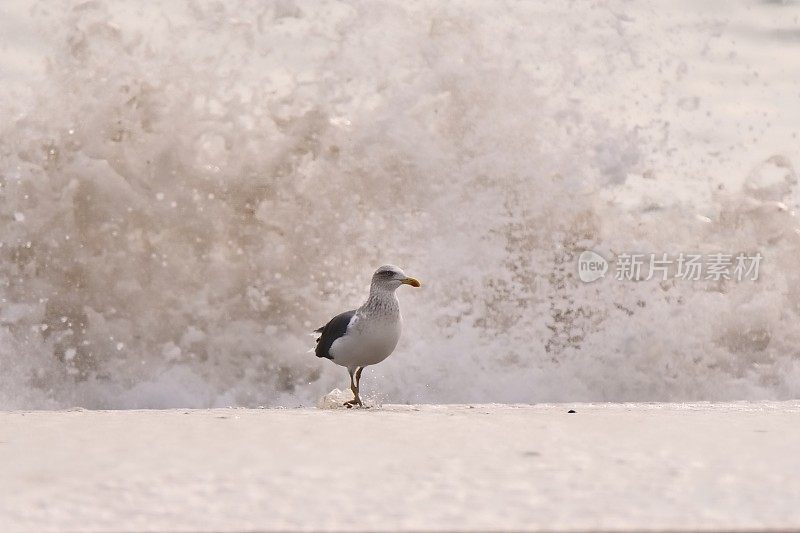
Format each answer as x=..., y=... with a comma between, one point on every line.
x=382, y=299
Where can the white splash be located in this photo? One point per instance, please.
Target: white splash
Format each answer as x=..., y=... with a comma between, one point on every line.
x=200, y=182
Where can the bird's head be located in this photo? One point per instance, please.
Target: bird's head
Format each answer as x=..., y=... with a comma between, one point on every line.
x=390, y=277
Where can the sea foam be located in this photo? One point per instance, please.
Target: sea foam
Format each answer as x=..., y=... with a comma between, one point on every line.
x=187, y=190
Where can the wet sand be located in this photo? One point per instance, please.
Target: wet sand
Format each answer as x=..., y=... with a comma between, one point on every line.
x=481, y=467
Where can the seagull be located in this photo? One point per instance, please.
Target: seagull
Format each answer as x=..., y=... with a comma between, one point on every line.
x=367, y=335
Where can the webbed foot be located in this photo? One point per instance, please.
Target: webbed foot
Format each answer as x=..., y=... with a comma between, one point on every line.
x=352, y=403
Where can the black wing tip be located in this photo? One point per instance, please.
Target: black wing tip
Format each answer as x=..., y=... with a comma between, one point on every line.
x=322, y=354
x=334, y=329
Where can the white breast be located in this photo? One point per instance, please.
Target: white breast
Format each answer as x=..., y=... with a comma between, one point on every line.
x=367, y=342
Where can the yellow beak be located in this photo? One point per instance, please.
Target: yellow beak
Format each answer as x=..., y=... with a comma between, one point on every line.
x=412, y=282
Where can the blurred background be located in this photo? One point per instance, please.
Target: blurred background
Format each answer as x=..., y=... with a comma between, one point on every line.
x=187, y=189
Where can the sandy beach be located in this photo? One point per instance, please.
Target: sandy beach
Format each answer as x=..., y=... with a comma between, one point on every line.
x=466, y=467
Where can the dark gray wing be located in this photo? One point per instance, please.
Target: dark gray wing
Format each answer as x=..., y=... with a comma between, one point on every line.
x=331, y=331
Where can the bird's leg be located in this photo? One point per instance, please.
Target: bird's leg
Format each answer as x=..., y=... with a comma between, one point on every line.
x=358, y=377
x=353, y=387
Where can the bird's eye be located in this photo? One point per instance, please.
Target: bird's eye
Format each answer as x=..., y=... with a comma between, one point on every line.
x=388, y=273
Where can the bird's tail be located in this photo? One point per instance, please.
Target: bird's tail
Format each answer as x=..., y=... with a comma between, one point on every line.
x=316, y=333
